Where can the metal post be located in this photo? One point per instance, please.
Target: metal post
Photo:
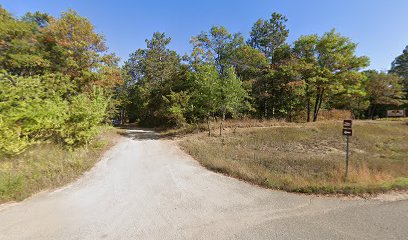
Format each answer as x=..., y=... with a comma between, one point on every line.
x=347, y=157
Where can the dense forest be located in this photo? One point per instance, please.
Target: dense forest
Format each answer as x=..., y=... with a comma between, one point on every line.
x=58, y=81
x=226, y=76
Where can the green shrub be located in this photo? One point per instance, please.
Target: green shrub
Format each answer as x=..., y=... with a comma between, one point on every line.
x=84, y=115
x=34, y=109
x=10, y=140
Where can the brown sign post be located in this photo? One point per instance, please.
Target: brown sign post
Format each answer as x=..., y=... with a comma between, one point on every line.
x=348, y=124
x=348, y=132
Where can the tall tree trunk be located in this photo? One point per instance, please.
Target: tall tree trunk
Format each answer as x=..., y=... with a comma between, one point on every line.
x=221, y=126
x=222, y=120
x=265, y=109
x=318, y=104
x=290, y=115
x=308, y=103
x=373, y=111
x=266, y=101
x=209, y=126
x=358, y=110
x=266, y=91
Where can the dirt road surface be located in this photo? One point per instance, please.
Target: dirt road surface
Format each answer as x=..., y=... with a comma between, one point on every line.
x=146, y=188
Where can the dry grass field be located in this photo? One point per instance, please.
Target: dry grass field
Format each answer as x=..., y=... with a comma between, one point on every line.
x=309, y=158
x=48, y=166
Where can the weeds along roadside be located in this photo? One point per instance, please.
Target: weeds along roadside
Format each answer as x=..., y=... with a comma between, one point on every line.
x=48, y=166
x=309, y=158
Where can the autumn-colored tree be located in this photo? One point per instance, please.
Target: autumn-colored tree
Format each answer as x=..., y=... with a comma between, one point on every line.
x=74, y=48
x=19, y=47
x=56, y=80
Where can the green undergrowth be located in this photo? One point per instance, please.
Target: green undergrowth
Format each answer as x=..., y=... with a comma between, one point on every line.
x=48, y=166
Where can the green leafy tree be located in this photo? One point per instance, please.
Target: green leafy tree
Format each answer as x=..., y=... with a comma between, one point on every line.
x=30, y=110
x=338, y=67
x=400, y=67
x=233, y=96
x=305, y=51
x=178, y=107
x=332, y=67
x=288, y=89
x=150, y=74
x=215, y=93
x=383, y=90
x=249, y=63
x=42, y=20
x=268, y=89
x=351, y=96
x=19, y=46
x=215, y=47
x=34, y=109
x=206, y=97
x=85, y=113
x=269, y=35
x=56, y=79
x=132, y=73
x=160, y=63
x=222, y=50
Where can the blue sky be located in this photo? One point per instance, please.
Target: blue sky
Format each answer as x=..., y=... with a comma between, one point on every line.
x=378, y=26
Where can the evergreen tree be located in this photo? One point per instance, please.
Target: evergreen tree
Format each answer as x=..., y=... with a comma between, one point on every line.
x=400, y=67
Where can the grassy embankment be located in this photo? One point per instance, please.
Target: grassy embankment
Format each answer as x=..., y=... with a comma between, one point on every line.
x=48, y=166
x=310, y=158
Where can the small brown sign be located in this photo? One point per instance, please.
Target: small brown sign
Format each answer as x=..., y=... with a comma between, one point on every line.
x=347, y=124
x=396, y=113
x=347, y=132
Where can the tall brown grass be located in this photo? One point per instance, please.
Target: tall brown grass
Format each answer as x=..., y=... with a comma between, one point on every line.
x=309, y=157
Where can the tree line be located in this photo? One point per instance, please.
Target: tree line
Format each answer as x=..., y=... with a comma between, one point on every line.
x=58, y=81
x=226, y=76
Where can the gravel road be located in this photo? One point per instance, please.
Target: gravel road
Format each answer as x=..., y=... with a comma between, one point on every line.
x=146, y=188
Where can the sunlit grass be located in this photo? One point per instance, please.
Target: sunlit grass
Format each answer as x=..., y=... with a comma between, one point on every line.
x=47, y=166
x=310, y=157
